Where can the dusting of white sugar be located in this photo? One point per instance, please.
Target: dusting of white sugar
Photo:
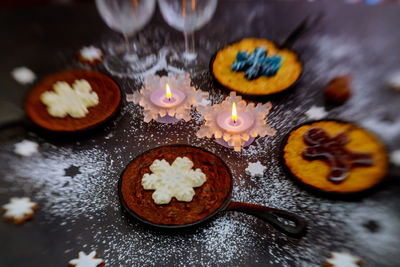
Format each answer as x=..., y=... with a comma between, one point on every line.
x=386, y=130
x=43, y=177
x=367, y=228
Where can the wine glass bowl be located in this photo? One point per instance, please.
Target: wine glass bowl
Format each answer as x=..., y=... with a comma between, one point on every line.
x=127, y=17
x=188, y=16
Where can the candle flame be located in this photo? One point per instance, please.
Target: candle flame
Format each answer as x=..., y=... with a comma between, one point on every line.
x=234, y=113
x=168, y=91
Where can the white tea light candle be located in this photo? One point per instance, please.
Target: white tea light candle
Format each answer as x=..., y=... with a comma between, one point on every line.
x=167, y=99
x=234, y=123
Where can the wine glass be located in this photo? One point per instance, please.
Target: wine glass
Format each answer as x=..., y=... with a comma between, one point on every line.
x=127, y=17
x=188, y=16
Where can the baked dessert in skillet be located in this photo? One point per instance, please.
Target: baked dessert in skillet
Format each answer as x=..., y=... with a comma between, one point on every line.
x=335, y=157
x=256, y=67
x=208, y=198
x=50, y=106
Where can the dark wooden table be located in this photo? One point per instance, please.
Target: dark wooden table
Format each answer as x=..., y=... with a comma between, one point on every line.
x=80, y=210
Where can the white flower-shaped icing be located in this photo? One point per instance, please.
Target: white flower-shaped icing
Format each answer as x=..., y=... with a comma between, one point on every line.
x=84, y=260
x=66, y=100
x=154, y=83
x=176, y=180
x=259, y=128
x=19, y=209
x=26, y=148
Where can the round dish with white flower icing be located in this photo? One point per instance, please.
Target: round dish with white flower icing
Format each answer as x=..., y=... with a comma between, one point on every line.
x=103, y=99
x=207, y=198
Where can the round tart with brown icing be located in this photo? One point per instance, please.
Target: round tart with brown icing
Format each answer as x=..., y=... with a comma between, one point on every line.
x=336, y=157
x=208, y=198
x=108, y=93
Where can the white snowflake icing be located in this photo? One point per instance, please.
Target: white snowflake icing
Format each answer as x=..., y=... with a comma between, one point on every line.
x=395, y=157
x=84, y=260
x=19, y=209
x=255, y=169
x=74, y=100
x=23, y=75
x=26, y=148
x=91, y=53
x=316, y=113
x=154, y=83
x=259, y=128
x=343, y=259
x=176, y=180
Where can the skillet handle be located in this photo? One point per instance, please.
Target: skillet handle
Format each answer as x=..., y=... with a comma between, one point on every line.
x=301, y=29
x=277, y=218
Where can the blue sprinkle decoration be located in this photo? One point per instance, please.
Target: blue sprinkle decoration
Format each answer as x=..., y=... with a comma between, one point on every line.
x=257, y=64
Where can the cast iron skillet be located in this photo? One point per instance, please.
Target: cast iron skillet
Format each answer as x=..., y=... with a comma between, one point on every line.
x=320, y=192
x=277, y=218
x=301, y=29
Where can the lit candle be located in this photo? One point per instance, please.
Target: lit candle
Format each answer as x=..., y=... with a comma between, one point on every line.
x=168, y=92
x=235, y=121
x=167, y=98
x=234, y=114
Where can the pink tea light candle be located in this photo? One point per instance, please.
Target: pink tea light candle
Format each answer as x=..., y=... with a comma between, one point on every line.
x=167, y=99
x=234, y=123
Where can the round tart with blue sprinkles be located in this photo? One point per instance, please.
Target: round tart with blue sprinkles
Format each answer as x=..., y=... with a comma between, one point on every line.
x=256, y=67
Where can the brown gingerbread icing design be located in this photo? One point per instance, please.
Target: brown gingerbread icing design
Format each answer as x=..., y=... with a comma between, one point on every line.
x=334, y=152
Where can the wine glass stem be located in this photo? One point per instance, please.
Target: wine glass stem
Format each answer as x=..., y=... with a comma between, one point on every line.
x=128, y=50
x=189, y=43
x=185, y=34
x=192, y=44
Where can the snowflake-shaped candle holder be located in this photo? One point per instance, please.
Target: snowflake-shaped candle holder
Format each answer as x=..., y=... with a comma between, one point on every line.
x=234, y=123
x=167, y=99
